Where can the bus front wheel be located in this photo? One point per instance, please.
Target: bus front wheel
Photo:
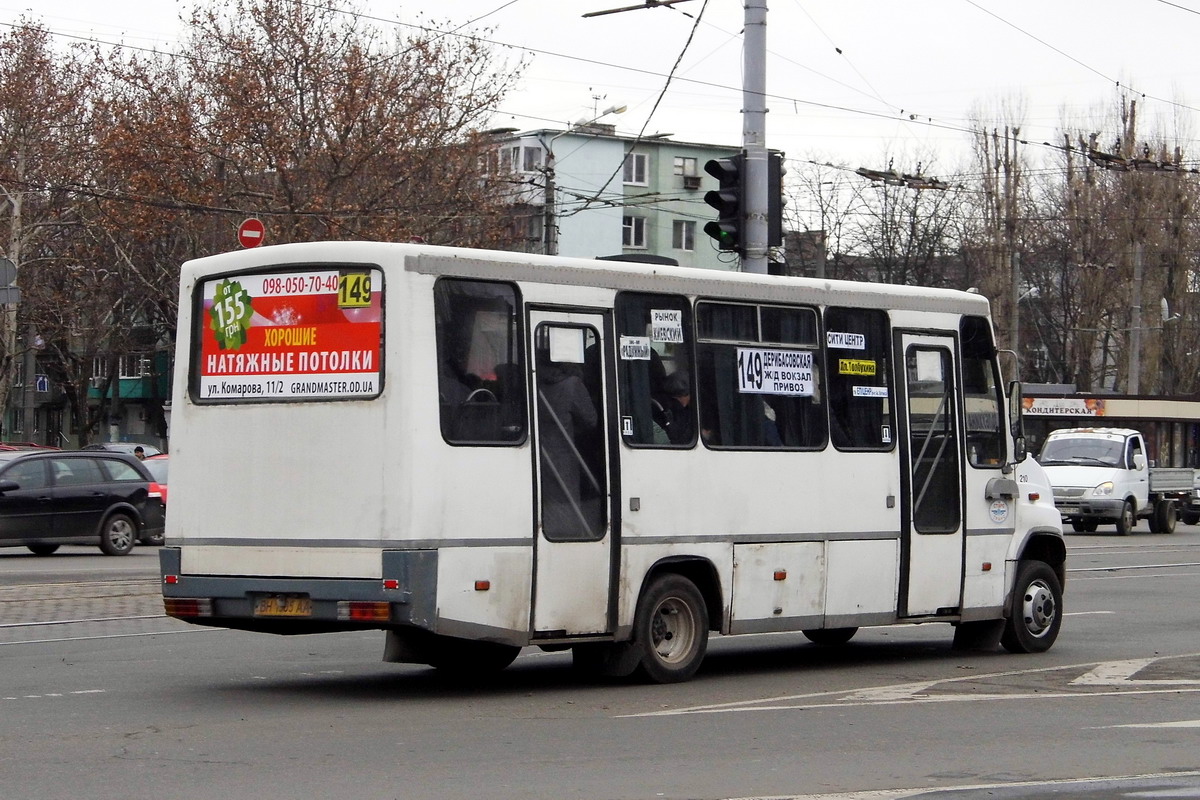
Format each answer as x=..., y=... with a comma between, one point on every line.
x=671, y=629
x=1035, y=610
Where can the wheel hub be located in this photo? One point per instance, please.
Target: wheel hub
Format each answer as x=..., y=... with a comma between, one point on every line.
x=1038, y=609
x=671, y=631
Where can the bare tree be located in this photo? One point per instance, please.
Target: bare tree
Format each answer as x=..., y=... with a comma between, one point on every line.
x=42, y=140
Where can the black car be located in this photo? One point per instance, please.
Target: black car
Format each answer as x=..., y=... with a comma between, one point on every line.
x=52, y=498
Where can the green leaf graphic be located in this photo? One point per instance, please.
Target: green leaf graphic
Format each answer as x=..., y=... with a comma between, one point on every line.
x=230, y=314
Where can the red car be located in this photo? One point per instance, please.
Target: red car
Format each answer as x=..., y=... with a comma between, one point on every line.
x=158, y=469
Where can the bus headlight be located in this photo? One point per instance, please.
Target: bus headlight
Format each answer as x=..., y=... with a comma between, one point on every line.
x=1103, y=490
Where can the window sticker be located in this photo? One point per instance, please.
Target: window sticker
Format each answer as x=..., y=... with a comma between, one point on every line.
x=292, y=335
x=784, y=372
x=666, y=326
x=856, y=366
x=929, y=366
x=869, y=391
x=566, y=345
x=635, y=348
x=845, y=341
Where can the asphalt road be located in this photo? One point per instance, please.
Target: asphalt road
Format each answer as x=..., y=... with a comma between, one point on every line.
x=103, y=697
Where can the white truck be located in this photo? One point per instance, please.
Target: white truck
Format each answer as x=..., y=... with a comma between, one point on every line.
x=1100, y=475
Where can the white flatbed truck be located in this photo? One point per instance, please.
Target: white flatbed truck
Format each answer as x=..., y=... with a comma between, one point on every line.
x=1101, y=476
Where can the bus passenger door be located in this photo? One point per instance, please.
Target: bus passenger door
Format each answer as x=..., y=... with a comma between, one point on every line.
x=931, y=538
x=574, y=541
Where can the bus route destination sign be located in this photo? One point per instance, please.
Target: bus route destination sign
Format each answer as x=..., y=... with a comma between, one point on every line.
x=306, y=335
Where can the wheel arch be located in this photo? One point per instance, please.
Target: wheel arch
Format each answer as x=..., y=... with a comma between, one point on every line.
x=701, y=572
x=121, y=508
x=1047, y=546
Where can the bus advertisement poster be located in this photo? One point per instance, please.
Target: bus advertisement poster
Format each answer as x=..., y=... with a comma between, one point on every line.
x=293, y=335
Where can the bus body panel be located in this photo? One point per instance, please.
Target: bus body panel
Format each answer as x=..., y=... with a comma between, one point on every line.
x=862, y=582
x=778, y=586
x=484, y=587
x=366, y=499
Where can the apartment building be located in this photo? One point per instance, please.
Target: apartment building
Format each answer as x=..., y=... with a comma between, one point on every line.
x=588, y=191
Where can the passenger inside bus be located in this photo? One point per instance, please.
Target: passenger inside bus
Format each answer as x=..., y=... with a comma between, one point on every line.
x=671, y=408
x=566, y=418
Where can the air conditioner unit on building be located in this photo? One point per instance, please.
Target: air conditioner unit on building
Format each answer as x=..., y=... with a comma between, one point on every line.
x=98, y=381
x=691, y=182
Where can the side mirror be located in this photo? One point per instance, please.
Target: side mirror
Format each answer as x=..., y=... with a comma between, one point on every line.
x=1016, y=421
x=8, y=486
x=1139, y=461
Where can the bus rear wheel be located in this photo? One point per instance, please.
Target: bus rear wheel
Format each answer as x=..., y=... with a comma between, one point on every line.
x=671, y=630
x=1035, y=610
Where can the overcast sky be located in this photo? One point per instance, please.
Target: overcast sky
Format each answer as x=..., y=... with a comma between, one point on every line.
x=909, y=76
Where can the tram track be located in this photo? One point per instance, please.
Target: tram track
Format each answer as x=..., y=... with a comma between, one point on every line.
x=32, y=604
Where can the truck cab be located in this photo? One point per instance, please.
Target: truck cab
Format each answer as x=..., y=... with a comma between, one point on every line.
x=1102, y=476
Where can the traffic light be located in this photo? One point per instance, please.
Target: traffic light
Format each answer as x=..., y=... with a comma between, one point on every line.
x=775, y=173
x=727, y=200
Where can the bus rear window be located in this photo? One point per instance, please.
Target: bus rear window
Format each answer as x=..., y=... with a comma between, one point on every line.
x=299, y=334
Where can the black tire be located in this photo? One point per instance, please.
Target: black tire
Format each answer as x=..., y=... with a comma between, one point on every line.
x=1165, y=516
x=1188, y=517
x=1035, y=610
x=42, y=549
x=1127, y=520
x=1083, y=525
x=465, y=658
x=154, y=541
x=829, y=637
x=670, y=630
x=118, y=534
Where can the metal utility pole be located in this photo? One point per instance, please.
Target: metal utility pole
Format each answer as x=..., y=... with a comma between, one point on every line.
x=1135, y=325
x=1015, y=334
x=754, y=135
x=550, y=218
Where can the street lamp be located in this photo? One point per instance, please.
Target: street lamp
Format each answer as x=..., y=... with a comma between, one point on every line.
x=550, y=234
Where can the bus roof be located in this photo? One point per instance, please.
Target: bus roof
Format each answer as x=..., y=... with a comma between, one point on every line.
x=617, y=275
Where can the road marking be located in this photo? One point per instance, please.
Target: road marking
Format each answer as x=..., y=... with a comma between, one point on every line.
x=54, y=694
x=1136, y=566
x=1187, y=723
x=77, y=621
x=1134, y=577
x=1120, y=673
x=113, y=636
x=1103, y=673
x=884, y=794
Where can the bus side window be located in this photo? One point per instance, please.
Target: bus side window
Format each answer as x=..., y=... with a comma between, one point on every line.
x=981, y=392
x=655, y=370
x=760, y=376
x=857, y=342
x=481, y=383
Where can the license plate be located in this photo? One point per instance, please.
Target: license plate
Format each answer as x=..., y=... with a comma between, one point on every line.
x=283, y=605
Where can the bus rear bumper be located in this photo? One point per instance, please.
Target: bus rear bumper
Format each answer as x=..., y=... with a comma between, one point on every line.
x=406, y=596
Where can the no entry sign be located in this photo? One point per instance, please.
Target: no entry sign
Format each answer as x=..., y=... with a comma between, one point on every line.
x=250, y=233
